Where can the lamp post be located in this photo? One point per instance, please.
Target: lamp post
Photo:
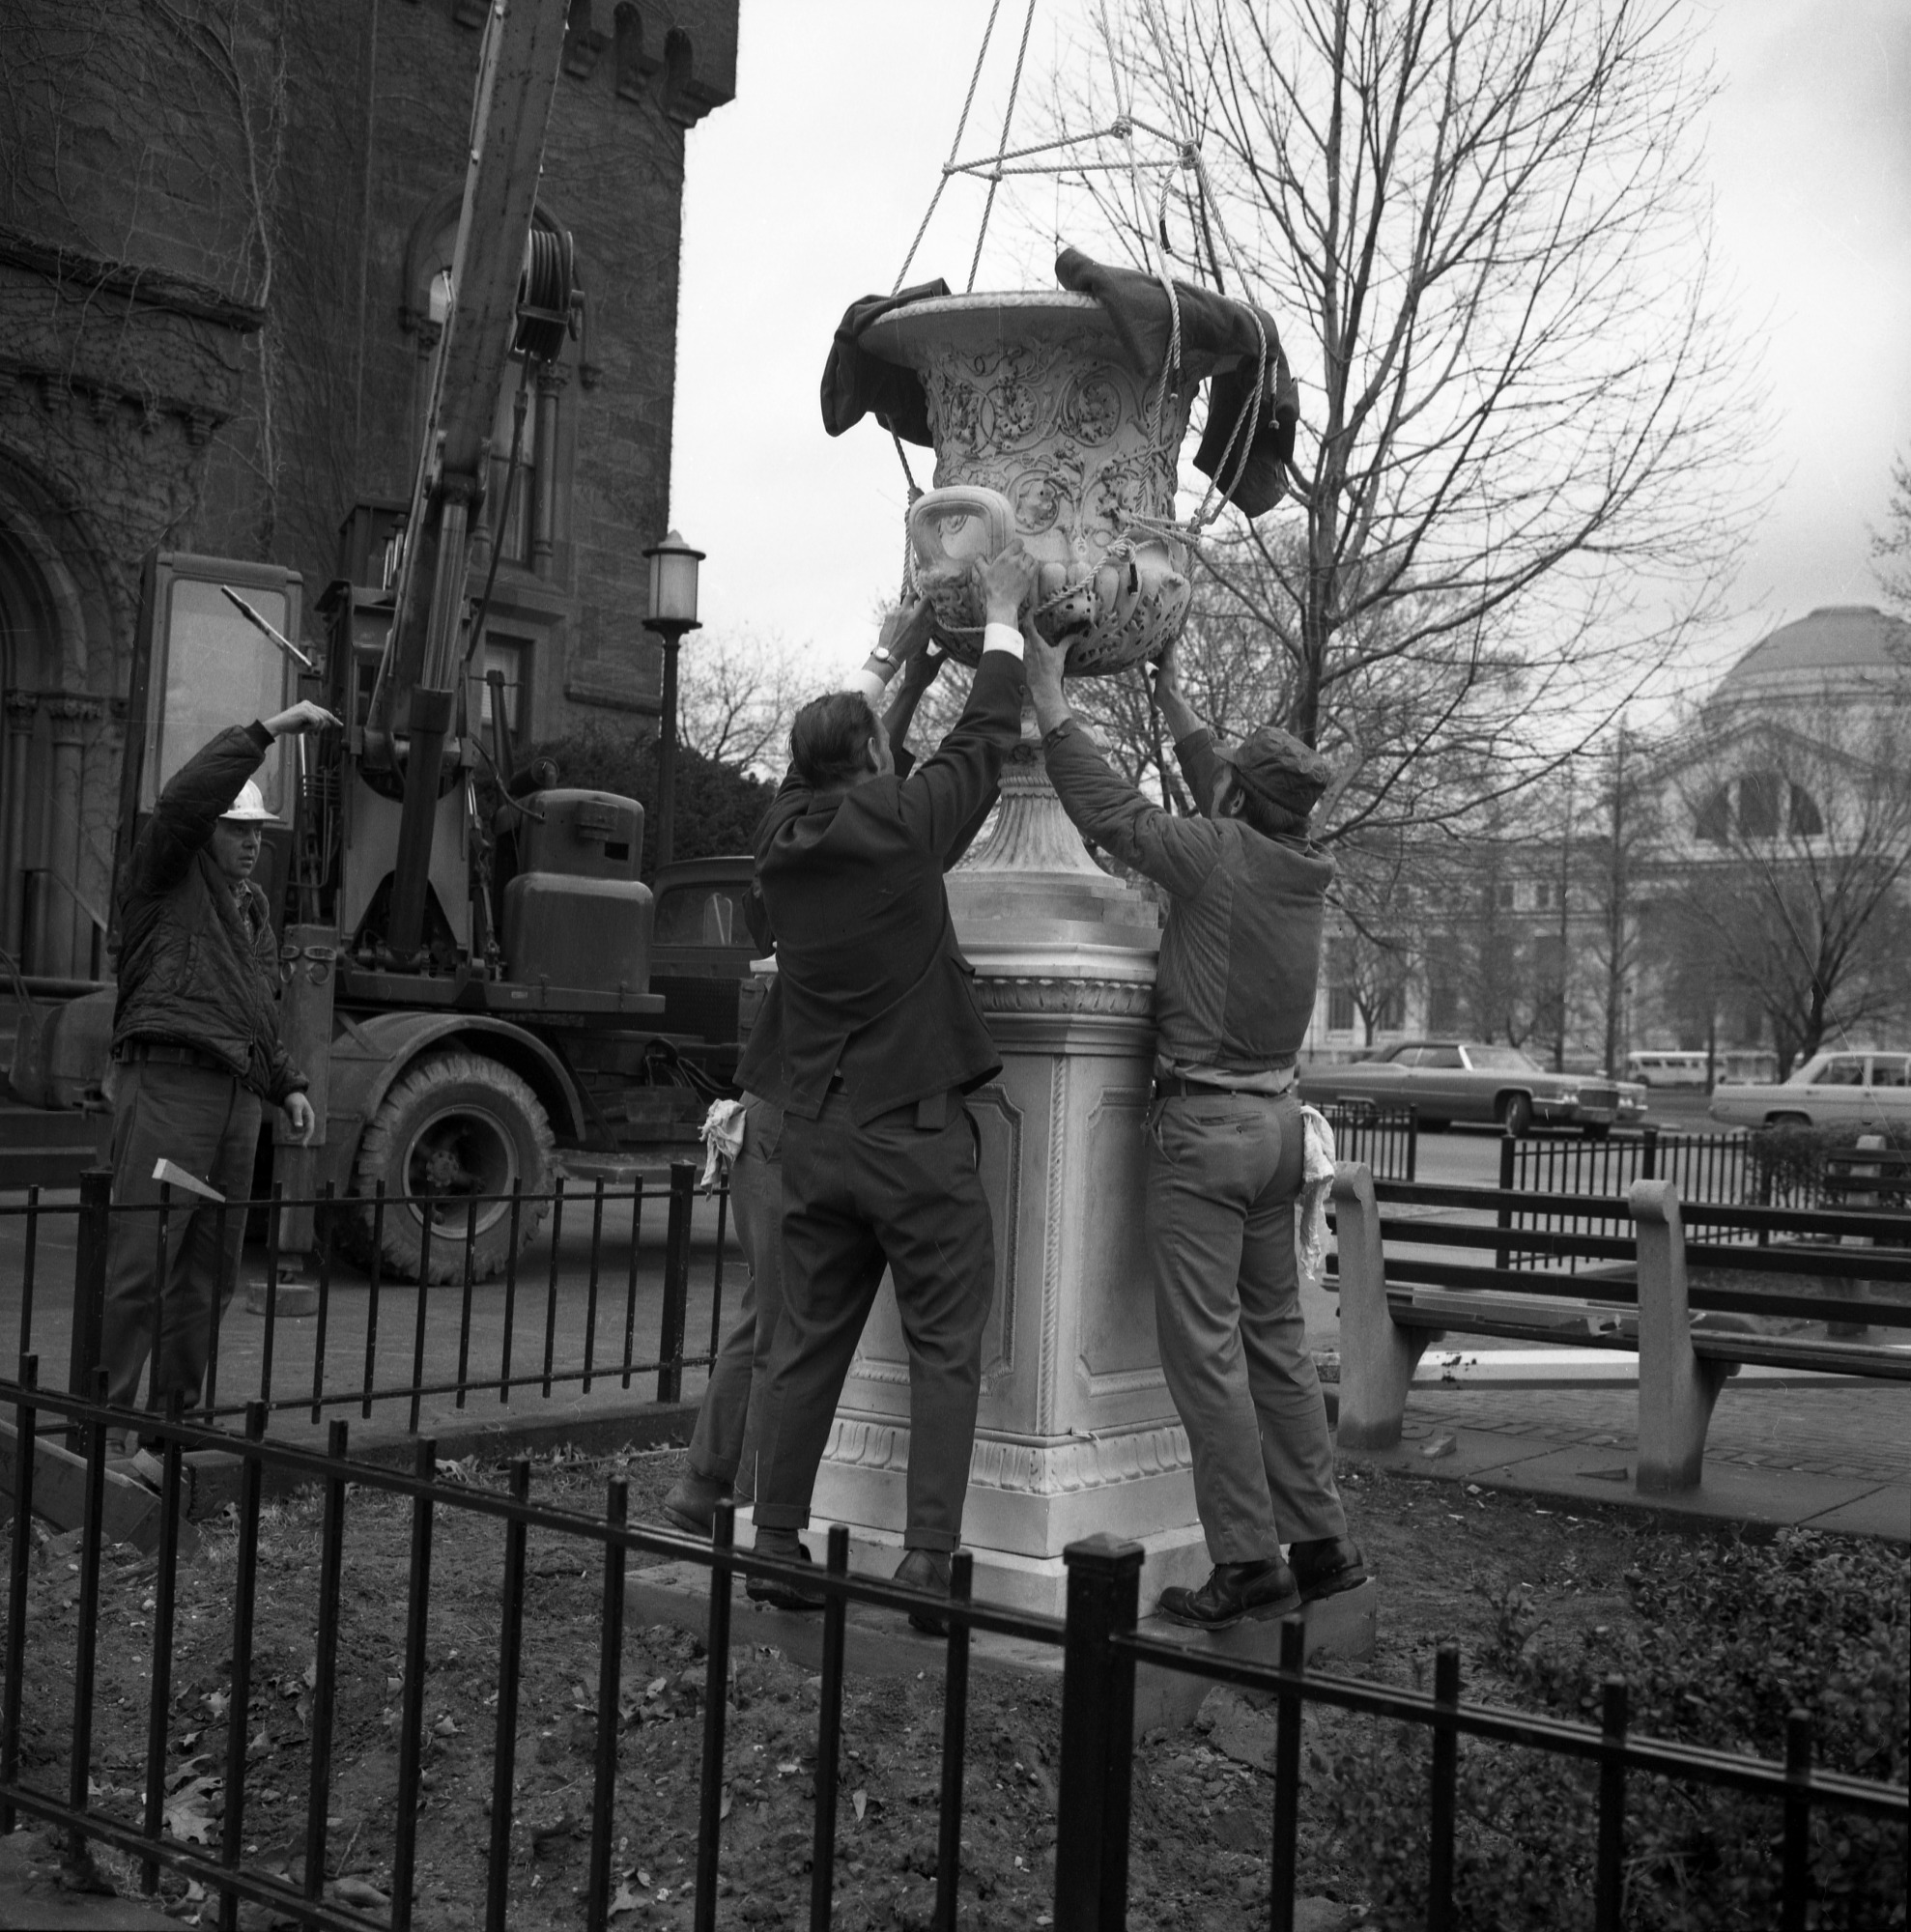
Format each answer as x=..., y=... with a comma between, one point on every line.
x=672, y=612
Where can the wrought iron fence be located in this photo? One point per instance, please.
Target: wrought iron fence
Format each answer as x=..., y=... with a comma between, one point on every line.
x=1387, y=1138
x=543, y=1324
x=1098, y=1639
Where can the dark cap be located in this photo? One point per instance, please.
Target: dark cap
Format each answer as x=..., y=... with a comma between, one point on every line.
x=1278, y=767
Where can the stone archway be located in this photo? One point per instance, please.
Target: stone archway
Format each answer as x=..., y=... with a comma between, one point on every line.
x=59, y=742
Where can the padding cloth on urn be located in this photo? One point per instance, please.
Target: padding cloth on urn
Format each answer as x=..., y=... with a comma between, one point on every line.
x=856, y=383
x=1210, y=325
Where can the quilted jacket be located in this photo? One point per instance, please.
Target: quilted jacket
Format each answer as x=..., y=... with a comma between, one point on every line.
x=196, y=969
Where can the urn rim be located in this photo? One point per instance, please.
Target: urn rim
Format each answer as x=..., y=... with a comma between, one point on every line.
x=905, y=335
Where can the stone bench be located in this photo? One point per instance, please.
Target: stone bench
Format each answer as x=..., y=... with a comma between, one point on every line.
x=1684, y=1354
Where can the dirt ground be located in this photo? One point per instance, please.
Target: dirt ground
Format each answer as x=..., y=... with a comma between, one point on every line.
x=1443, y=1556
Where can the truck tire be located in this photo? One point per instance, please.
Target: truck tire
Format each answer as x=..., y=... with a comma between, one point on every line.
x=1516, y=1114
x=453, y=1126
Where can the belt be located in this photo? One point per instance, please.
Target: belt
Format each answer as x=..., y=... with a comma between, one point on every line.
x=164, y=1053
x=1179, y=1086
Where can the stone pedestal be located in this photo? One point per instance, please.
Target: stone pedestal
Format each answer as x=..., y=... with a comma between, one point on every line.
x=1076, y=1432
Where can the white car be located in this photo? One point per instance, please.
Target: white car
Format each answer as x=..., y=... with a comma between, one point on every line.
x=1866, y=1091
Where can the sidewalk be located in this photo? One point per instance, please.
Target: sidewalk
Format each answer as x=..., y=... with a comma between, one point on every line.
x=1801, y=1453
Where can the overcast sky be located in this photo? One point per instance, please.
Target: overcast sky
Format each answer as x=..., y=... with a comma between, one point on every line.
x=804, y=193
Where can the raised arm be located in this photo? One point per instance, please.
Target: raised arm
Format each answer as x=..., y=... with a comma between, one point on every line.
x=201, y=792
x=946, y=796
x=1192, y=740
x=1178, y=853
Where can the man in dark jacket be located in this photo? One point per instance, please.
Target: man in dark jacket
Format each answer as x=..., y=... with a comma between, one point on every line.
x=881, y=1038
x=1234, y=992
x=196, y=1048
x=722, y=1462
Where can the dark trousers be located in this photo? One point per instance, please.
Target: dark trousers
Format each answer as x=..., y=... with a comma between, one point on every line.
x=722, y=1447
x=208, y=1124
x=855, y=1198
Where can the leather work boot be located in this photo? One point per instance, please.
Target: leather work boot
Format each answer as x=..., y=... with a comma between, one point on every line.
x=772, y=1590
x=692, y=1503
x=926, y=1569
x=1327, y=1566
x=1233, y=1591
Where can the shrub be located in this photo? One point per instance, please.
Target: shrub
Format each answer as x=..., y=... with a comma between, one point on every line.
x=1788, y=1163
x=1730, y=1637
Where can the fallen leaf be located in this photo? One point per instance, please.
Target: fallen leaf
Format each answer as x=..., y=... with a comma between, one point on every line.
x=446, y=1727
x=788, y=1769
x=218, y=1701
x=186, y=1816
x=626, y=1900
x=312, y=1675
x=263, y=1741
x=656, y=1687
x=723, y=1810
x=356, y=1892
x=643, y=1879
x=861, y=1801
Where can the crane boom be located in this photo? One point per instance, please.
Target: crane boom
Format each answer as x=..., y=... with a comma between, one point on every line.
x=416, y=692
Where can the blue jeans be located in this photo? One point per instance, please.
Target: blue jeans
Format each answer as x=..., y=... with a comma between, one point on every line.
x=1223, y=1177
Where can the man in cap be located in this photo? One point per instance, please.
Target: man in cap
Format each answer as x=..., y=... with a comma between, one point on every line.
x=195, y=1051
x=1233, y=995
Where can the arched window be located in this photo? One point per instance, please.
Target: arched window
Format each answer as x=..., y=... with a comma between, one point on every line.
x=1715, y=817
x=1760, y=796
x=1807, y=820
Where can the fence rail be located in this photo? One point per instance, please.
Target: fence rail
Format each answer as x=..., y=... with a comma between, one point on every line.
x=1097, y=1638
x=548, y=1322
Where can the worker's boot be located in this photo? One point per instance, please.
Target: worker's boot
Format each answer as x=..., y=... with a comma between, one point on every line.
x=1327, y=1566
x=785, y=1545
x=692, y=1499
x=1233, y=1591
x=926, y=1569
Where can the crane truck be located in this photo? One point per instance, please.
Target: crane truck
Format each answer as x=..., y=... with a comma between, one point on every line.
x=464, y=950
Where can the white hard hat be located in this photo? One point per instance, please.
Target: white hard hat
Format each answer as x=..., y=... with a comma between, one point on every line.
x=249, y=806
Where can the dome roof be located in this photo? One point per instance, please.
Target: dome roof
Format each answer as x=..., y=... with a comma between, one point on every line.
x=1838, y=647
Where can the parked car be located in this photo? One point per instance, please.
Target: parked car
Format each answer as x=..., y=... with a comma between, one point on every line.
x=1867, y=1091
x=1452, y=1080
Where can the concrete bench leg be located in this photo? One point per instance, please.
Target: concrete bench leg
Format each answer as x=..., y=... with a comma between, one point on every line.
x=1676, y=1389
x=1377, y=1358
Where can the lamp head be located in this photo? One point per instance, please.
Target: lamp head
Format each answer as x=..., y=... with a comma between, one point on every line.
x=672, y=584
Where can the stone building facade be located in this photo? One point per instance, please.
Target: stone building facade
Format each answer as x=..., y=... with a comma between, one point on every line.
x=222, y=225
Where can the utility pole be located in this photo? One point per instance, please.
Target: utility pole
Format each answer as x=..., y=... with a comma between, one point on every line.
x=1565, y=957
x=1615, y=909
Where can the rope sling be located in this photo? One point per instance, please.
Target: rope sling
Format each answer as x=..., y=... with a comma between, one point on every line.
x=1052, y=157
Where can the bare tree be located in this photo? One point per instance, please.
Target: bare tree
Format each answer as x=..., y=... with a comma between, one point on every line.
x=1483, y=231
x=736, y=694
x=1891, y=545
x=1800, y=875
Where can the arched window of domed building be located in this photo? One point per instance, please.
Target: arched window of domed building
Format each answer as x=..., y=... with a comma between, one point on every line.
x=1807, y=820
x=1760, y=795
x=1715, y=817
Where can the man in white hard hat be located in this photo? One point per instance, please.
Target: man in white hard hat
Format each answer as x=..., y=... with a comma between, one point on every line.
x=196, y=1052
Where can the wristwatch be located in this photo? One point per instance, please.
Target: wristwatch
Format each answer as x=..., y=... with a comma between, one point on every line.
x=883, y=655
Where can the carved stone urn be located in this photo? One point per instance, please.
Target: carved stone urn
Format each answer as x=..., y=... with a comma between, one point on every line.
x=1042, y=430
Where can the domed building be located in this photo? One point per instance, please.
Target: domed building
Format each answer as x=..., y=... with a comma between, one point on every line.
x=1753, y=902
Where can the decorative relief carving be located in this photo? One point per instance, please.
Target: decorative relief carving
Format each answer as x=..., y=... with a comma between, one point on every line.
x=1119, y=999
x=1054, y=1209
x=1066, y=1465
x=1039, y=424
